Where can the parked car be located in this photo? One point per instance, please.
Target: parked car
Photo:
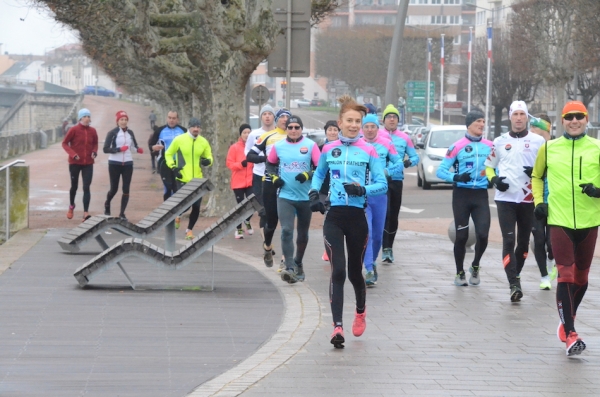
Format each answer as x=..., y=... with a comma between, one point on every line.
x=91, y=90
x=418, y=120
x=301, y=103
x=318, y=102
x=420, y=134
x=433, y=150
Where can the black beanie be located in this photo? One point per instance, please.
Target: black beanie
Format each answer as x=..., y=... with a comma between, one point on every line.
x=294, y=119
x=331, y=123
x=472, y=116
x=244, y=126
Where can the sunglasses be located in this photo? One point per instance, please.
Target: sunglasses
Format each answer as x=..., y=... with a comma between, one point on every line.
x=294, y=127
x=570, y=116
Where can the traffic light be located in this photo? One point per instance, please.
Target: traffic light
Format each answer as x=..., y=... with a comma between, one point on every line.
x=283, y=84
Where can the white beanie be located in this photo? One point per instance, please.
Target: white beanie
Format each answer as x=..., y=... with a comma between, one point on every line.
x=517, y=105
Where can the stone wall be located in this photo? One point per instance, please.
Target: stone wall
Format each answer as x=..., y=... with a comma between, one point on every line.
x=14, y=145
x=19, y=200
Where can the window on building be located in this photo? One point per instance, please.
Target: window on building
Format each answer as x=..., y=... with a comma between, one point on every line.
x=451, y=1
x=438, y=19
x=419, y=1
x=389, y=20
x=390, y=2
x=436, y=1
x=480, y=18
x=456, y=40
x=454, y=20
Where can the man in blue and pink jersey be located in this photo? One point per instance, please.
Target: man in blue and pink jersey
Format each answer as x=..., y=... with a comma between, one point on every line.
x=469, y=195
x=404, y=147
x=290, y=163
x=377, y=205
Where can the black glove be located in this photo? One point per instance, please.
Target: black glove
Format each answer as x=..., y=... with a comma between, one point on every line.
x=407, y=163
x=527, y=170
x=205, y=162
x=302, y=177
x=177, y=172
x=541, y=211
x=315, y=204
x=277, y=181
x=590, y=190
x=354, y=190
x=464, y=177
x=244, y=163
x=498, y=182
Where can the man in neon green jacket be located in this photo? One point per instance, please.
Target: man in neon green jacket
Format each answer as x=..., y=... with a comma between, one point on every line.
x=572, y=168
x=184, y=156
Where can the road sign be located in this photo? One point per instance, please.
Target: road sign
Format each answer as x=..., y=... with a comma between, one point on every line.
x=260, y=94
x=419, y=85
x=420, y=93
x=301, y=10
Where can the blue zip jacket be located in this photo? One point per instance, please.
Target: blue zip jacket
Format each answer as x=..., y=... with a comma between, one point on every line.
x=355, y=162
x=388, y=156
x=404, y=146
x=468, y=154
x=294, y=158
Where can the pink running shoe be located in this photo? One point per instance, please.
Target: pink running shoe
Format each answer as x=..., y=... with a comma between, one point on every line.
x=574, y=344
x=337, y=337
x=360, y=324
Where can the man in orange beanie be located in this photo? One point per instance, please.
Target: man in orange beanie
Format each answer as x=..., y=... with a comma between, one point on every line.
x=570, y=164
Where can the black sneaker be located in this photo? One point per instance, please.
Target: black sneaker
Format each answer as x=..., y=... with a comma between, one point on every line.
x=515, y=293
x=106, y=209
x=290, y=274
x=300, y=272
x=268, y=257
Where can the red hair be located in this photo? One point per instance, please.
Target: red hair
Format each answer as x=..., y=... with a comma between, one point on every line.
x=348, y=103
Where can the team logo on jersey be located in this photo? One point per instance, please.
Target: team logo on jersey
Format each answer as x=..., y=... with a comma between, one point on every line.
x=468, y=148
x=469, y=165
x=336, y=152
x=259, y=141
x=526, y=145
x=303, y=150
x=355, y=174
x=508, y=146
x=335, y=174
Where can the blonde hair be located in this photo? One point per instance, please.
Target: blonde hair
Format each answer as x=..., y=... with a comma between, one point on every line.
x=348, y=103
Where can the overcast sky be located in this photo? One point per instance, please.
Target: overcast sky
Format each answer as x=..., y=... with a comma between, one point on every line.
x=38, y=32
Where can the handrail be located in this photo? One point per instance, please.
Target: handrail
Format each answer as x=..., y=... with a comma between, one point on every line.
x=7, y=219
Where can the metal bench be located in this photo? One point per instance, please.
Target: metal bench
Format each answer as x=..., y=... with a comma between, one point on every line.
x=155, y=221
x=161, y=257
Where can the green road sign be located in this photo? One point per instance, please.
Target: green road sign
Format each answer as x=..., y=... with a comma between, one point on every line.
x=419, y=85
x=419, y=93
x=419, y=102
x=418, y=109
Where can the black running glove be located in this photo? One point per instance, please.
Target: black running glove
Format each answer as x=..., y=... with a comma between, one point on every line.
x=244, y=163
x=590, y=190
x=277, y=181
x=177, y=172
x=407, y=163
x=302, y=177
x=498, y=182
x=464, y=177
x=354, y=190
x=315, y=204
x=527, y=170
x=541, y=211
x=205, y=162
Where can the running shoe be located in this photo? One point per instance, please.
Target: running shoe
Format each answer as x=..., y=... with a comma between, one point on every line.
x=574, y=344
x=387, y=256
x=177, y=222
x=86, y=216
x=189, y=235
x=107, y=208
x=515, y=293
x=122, y=216
x=474, y=279
x=249, y=229
x=560, y=333
x=70, y=212
x=460, y=280
x=300, y=272
x=238, y=234
x=375, y=272
x=290, y=275
x=337, y=337
x=545, y=283
x=325, y=257
x=282, y=266
x=360, y=323
x=268, y=257
x=552, y=270
x=370, y=279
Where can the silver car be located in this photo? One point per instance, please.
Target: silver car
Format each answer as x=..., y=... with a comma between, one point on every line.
x=432, y=152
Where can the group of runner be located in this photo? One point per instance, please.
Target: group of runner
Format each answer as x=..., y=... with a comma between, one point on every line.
x=548, y=187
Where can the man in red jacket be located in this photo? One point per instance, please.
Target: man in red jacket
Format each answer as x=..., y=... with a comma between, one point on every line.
x=81, y=143
x=241, y=175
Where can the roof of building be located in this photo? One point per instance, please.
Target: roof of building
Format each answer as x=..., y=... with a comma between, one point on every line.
x=15, y=69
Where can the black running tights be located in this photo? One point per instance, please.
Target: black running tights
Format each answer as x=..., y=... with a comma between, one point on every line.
x=87, y=172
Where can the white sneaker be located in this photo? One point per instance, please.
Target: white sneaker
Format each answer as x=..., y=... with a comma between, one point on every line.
x=545, y=283
x=249, y=229
x=239, y=234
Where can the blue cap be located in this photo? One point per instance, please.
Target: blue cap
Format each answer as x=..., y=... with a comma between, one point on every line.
x=82, y=113
x=370, y=118
x=281, y=112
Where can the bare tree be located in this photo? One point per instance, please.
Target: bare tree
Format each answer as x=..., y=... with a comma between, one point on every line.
x=191, y=55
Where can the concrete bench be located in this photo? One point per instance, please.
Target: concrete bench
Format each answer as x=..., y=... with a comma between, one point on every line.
x=154, y=222
x=161, y=257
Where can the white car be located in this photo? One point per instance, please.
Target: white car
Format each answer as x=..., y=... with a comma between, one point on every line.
x=300, y=103
x=433, y=150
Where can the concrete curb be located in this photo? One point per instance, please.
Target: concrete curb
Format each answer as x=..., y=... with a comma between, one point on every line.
x=18, y=245
x=301, y=319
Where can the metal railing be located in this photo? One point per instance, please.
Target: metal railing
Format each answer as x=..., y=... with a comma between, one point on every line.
x=7, y=220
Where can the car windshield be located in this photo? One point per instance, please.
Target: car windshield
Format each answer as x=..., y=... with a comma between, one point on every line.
x=443, y=139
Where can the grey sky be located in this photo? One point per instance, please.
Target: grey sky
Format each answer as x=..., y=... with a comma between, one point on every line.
x=37, y=34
